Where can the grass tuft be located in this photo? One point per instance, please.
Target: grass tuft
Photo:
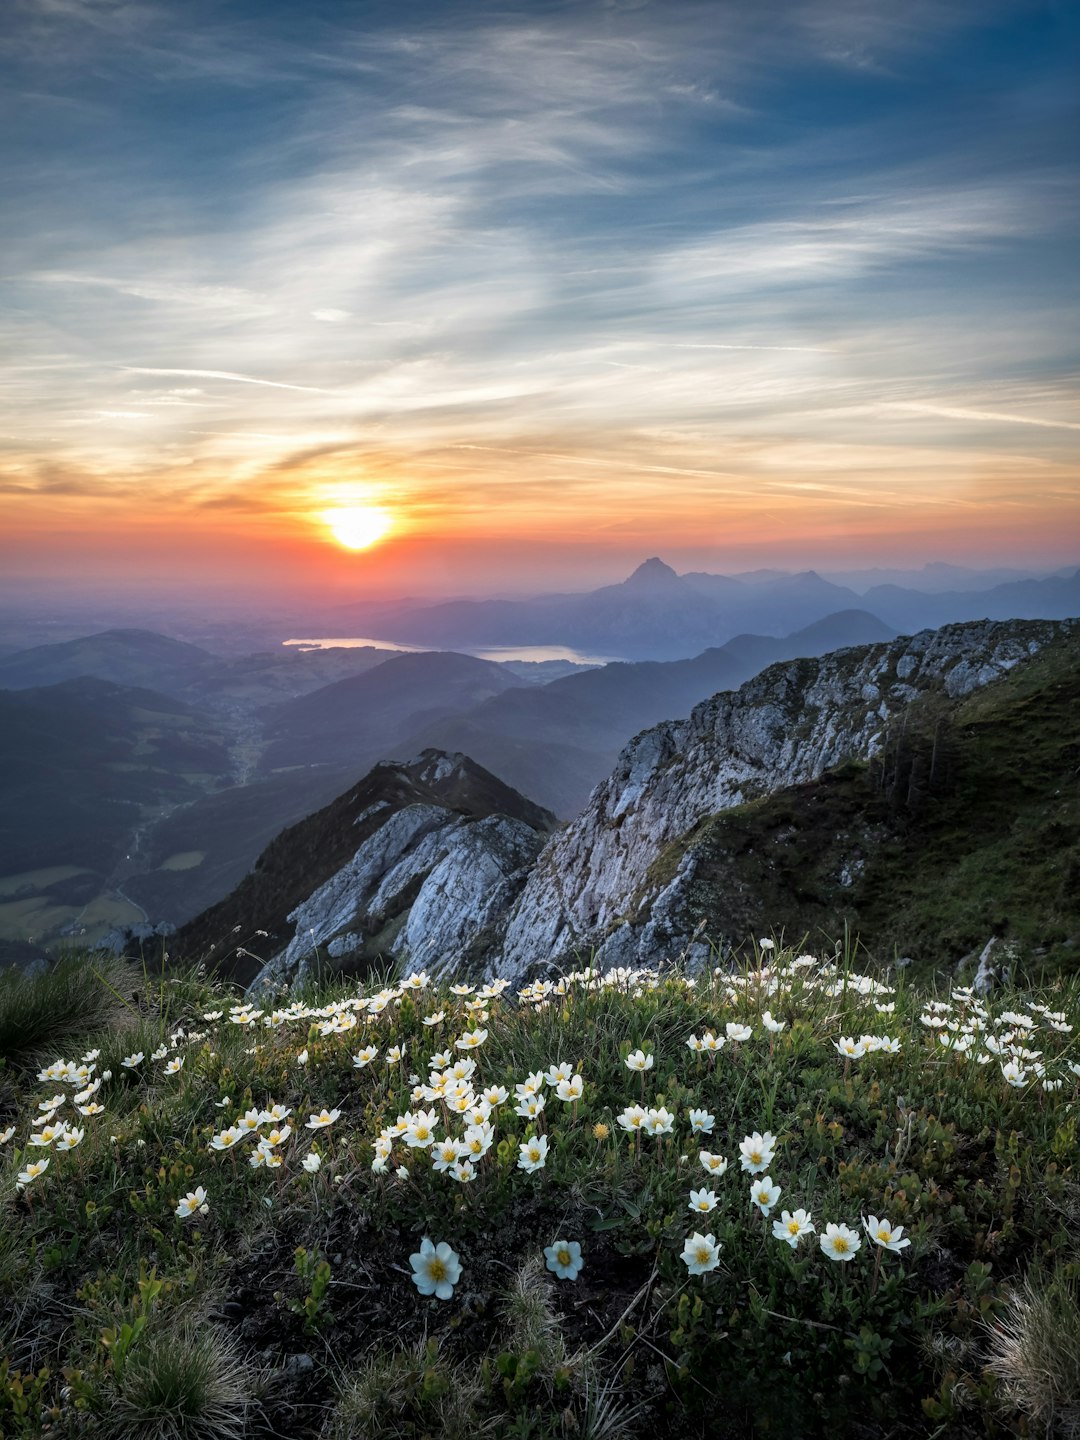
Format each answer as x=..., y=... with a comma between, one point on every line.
x=182, y=1384
x=1035, y=1352
x=41, y=1014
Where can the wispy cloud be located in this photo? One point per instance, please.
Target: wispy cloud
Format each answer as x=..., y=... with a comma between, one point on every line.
x=529, y=268
x=221, y=375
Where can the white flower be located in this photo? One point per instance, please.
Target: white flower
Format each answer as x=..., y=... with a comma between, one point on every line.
x=445, y=1153
x=570, y=1089
x=175, y=1065
x=529, y=1106
x=792, y=1226
x=471, y=1039
x=226, y=1139
x=839, y=1243
x=638, y=1060
x=632, y=1118
x=194, y=1200
x=764, y=1194
x=736, y=1033
x=462, y=1171
x=421, y=1133
x=47, y=1135
x=5, y=1135
x=659, y=1122
x=773, y=1026
x=31, y=1173
x=884, y=1234
x=130, y=1061
x=563, y=1259
x=70, y=1139
x=311, y=1162
x=701, y=1122
x=701, y=1253
x=702, y=1200
x=533, y=1154
x=320, y=1121
x=714, y=1164
x=850, y=1048
x=302, y=1058
x=756, y=1152
x=1015, y=1074
x=436, y=1269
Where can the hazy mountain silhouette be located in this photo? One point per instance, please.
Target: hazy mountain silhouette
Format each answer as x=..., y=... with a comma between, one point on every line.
x=126, y=657
x=83, y=761
x=354, y=719
x=556, y=741
x=657, y=614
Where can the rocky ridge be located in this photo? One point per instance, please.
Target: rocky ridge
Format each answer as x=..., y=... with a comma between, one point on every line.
x=600, y=889
x=418, y=864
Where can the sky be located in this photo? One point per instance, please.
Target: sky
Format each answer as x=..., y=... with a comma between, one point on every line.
x=555, y=287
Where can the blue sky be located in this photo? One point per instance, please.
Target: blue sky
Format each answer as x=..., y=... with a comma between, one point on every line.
x=790, y=282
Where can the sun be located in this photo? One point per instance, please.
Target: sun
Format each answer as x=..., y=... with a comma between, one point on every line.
x=358, y=526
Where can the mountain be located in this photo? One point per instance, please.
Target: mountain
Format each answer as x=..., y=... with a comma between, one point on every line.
x=84, y=765
x=934, y=577
x=654, y=614
x=630, y=880
x=1055, y=598
x=418, y=863
x=557, y=741
x=139, y=658
x=958, y=831
x=614, y=883
x=354, y=720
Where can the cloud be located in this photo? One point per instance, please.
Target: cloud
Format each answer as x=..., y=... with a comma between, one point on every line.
x=620, y=256
x=221, y=375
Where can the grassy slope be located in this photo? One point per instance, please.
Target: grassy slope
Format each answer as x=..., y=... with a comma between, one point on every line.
x=286, y=1264
x=993, y=848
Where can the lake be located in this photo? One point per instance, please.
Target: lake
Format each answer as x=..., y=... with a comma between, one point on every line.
x=496, y=652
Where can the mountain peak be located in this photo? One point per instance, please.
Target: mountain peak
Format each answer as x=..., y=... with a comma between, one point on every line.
x=652, y=574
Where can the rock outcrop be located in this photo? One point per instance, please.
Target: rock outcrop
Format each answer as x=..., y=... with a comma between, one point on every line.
x=419, y=864
x=601, y=890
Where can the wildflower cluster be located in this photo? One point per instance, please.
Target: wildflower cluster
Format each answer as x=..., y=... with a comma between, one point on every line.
x=727, y=1133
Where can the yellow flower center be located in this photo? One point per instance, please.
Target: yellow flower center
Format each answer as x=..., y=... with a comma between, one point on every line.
x=563, y=1257
x=701, y=1255
x=436, y=1269
x=793, y=1227
x=840, y=1245
x=755, y=1157
x=884, y=1234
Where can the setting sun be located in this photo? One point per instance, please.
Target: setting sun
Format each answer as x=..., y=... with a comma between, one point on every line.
x=358, y=526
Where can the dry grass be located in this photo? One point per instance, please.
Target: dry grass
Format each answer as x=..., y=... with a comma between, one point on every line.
x=1035, y=1353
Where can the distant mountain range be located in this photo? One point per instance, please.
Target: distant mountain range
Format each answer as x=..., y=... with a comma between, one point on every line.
x=237, y=747
x=914, y=784
x=658, y=614
x=173, y=667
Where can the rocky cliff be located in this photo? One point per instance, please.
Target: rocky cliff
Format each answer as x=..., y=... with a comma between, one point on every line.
x=614, y=884
x=418, y=864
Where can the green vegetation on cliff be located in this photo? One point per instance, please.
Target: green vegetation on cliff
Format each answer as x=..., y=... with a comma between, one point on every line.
x=966, y=826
